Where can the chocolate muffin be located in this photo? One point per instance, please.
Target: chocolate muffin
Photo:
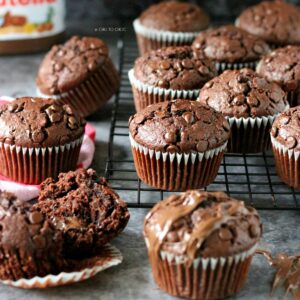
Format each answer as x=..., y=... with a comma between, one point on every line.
x=277, y=22
x=201, y=244
x=29, y=244
x=178, y=145
x=230, y=47
x=169, y=23
x=250, y=103
x=283, y=67
x=85, y=209
x=38, y=138
x=169, y=73
x=285, y=136
x=79, y=73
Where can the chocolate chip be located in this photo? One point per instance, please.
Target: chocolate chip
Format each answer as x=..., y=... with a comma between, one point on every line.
x=189, y=117
x=238, y=100
x=58, y=66
x=202, y=146
x=38, y=136
x=204, y=70
x=170, y=137
x=139, y=118
x=172, y=149
x=291, y=142
x=187, y=64
x=177, y=65
x=252, y=101
x=72, y=123
x=225, y=234
x=163, y=83
x=68, y=109
x=12, y=107
x=254, y=231
x=165, y=65
x=55, y=117
x=258, y=48
x=35, y=217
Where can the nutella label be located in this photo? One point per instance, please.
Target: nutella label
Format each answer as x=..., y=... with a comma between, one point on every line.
x=28, y=19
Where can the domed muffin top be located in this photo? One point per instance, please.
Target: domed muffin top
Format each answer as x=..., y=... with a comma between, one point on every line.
x=282, y=66
x=197, y=223
x=243, y=93
x=276, y=22
x=179, y=126
x=36, y=122
x=175, y=16
x=66, y=66
x=230, y=44
x=286, y=129
x=177, y=68
x=84, y=208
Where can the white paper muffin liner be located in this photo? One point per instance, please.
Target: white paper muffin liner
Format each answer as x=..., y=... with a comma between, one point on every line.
x=222, y=66
x=145, y=95
x=151, y=39
x=111, y=258
x=33, y=165
x=205, y=278
x=93, y=92
x=176, y=171
x=250, y=135
x=287, y=163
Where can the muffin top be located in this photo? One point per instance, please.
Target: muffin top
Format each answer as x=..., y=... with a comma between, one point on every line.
x=243, y=94
x=66, y=66
x=37, y=122
x=175, y=16
x=282, y=66
x=26, y=232
x=177, y=68
x=276, y=22
x=286, y=128
x=179, y=126
x=197, y=223
x=230, y=44
x=84, y=208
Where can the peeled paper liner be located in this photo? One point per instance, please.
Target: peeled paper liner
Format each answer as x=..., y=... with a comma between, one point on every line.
x=185, y=94
x=210, y=262
x=291, y=153
x=164, y=36
x=110, y=257
x=186, y=156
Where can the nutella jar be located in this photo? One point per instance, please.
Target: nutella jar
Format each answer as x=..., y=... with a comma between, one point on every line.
x=30, y=25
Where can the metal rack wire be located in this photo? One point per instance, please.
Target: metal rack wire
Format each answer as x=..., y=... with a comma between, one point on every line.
x=251, y=178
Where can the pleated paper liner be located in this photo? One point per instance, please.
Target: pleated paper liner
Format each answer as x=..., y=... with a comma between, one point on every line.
x=222, y=66
x=93, y=93
x=205, y=278
x=250, y=135
x=145, y=95
x=287, y=163
x=34, y=165
x=176, y=171
x=80, y=270
x=152, y=39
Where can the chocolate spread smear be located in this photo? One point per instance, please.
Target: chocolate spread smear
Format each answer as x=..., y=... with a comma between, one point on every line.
x=287, y=272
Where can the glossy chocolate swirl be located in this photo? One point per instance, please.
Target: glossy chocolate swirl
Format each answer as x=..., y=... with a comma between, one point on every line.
x=206, y=224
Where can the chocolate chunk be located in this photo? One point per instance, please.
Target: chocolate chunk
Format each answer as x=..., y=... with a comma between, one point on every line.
x=170, y=137
x=35, y=217
x=225, y=234
x=188, y=116
x=254, y=231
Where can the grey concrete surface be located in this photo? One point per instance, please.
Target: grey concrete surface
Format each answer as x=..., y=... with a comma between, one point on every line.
x=132, y=279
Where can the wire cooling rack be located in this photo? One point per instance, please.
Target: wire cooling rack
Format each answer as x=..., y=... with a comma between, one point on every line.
x=251, y=178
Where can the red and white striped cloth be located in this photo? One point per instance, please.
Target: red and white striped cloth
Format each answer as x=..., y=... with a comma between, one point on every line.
x=27, y=192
